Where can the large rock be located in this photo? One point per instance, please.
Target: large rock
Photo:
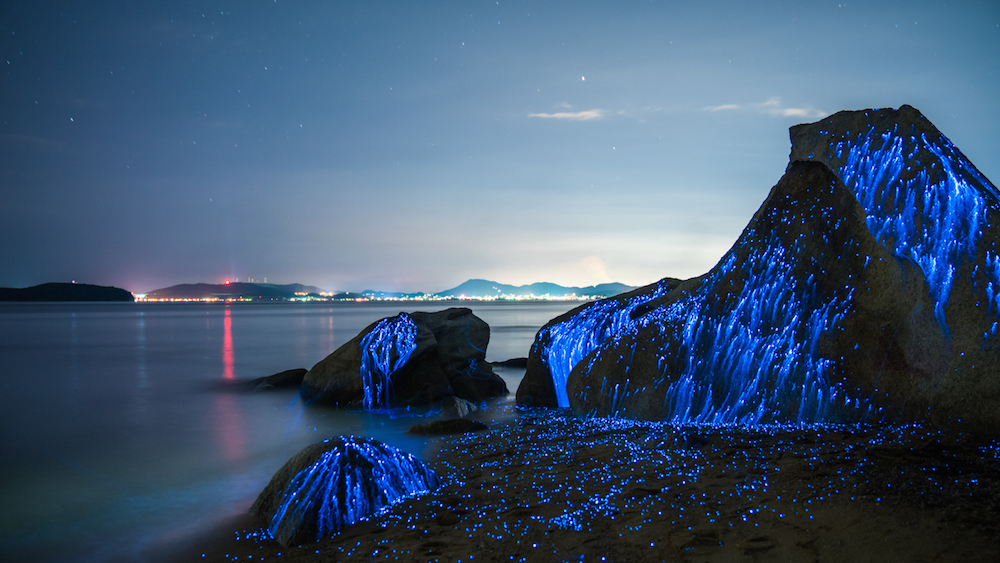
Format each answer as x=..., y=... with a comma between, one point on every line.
x=410, y=359
x=875, y=297
x=335, y=483
x=926, y=202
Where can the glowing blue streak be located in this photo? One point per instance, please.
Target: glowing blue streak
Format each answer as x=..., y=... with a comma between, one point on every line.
x=751, y=355
x=931, y=212
x=348, y=484
x=568, y=342
x=384, y=350
x=757, y=359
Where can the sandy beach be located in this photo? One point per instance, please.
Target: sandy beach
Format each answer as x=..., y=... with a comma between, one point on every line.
x=546, y=486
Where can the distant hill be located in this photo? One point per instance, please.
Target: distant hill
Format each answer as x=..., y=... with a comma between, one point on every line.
x=472, y=289
x=65, y=292
x=233, y=291
x=487, y=288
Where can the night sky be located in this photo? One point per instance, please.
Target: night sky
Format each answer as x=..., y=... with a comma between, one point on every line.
x=411, y=146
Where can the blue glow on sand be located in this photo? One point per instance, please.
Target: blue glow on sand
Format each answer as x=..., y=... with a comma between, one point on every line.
x=349, y=483
x=566, y=343
x=924, y=201
x=384, y=350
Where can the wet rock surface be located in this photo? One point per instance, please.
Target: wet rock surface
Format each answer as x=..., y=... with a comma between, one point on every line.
x=288, y=379
x=454, y=407
x=411, y=359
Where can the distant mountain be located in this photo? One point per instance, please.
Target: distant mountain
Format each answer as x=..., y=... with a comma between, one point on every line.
x=65, y=292
x=472, y=289
x=486, y=288
x=237, y=290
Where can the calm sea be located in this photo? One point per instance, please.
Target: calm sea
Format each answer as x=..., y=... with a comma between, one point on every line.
x=119, y=427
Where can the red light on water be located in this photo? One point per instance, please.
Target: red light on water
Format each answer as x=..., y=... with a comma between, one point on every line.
x=227, y=282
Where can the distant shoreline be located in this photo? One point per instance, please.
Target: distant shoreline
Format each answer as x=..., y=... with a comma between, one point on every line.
x=65, y=292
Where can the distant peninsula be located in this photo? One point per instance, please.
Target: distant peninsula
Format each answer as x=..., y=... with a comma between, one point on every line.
x=475, y=289
x=234, y=291
x=65, y=292
x=484, y=289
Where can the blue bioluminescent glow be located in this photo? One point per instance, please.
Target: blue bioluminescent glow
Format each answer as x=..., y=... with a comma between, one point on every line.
x=744, y=345
x=566, y=343
x=354, y=480
x=745, y=357
x=383, y=351
x=755, y=358
x=924, y=200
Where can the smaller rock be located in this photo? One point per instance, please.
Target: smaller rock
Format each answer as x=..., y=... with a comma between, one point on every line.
x=456, y=407
x=451, y=426
x=335, y=483
x=291, y=378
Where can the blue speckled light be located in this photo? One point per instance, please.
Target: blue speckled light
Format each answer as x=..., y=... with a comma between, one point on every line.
x=754, y=357
x=383, y=351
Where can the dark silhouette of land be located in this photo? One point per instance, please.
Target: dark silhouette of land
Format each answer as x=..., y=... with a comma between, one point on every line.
x=65, y=292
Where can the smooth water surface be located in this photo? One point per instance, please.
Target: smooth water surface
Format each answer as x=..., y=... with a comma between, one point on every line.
x=120, y=424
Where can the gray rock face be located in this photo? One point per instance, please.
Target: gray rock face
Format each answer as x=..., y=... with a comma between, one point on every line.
x=335, y=483
x=410, y=359
x=866, y=287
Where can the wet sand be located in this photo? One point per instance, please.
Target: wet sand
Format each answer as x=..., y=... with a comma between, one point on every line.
x=546, y=486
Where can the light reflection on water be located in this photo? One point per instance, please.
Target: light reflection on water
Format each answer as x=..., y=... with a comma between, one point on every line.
x=118, y=428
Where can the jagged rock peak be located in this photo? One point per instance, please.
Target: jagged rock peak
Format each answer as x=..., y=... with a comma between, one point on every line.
x=923, y=198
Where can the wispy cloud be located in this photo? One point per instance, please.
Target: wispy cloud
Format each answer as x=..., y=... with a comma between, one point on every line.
x=800, y=112
x=572, y=115
x=773, y=106
x=723, y=107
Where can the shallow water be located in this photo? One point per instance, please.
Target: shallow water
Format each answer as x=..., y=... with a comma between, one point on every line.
x=119, y=427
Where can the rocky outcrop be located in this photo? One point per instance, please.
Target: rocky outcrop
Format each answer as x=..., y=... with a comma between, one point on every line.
x=866, y=287
x=568, y=338
x=335, y=483
x=453, y=407
x=410, y=359
x=290, y=378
